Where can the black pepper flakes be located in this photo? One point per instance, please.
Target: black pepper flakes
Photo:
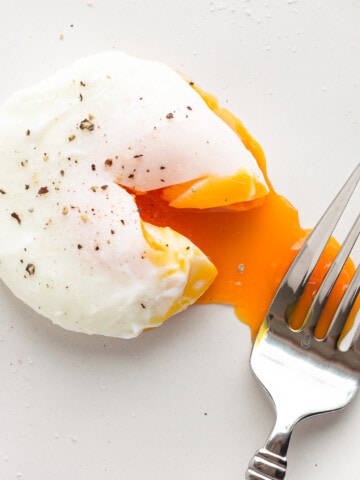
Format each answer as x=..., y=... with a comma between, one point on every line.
x=30, y=268
x=188, y=107
x=138, y=156
x=81, y=98
x=28, y=132
x=169, y=116
x=83, y=84
x=87, y=124
x=2, y=191
x=93, y=167
x=43, y=190
x=71, y=138
x=104, y=187
x=16, y=216
x=142, y=305
x=27, y=187
x=79, y=246
x=108, y=162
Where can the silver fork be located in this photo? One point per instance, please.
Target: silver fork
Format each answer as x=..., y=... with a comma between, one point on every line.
x=305, y=375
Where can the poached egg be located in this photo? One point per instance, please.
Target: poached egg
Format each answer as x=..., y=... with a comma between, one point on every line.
x=75, y=150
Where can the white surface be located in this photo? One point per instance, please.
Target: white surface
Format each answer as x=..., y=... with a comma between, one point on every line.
x=179, y=402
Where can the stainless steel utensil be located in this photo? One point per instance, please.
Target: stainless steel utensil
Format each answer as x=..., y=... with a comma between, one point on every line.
x=305, y=375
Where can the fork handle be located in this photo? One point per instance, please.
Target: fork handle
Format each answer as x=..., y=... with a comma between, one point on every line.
x=270, y=462
x=266, y=465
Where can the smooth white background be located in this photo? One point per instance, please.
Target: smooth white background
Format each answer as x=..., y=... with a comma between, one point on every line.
x=179, y=402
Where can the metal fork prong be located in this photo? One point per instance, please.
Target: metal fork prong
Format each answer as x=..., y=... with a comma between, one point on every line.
x=355, y=342
x=331, y=276
x=343, y=310
x=293, y=284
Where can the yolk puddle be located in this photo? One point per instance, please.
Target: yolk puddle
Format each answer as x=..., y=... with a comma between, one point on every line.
x=252, y=249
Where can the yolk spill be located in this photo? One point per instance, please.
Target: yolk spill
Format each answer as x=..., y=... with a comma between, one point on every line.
x=252, y=249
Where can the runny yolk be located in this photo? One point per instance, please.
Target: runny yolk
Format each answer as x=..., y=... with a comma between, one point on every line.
x=252, y=249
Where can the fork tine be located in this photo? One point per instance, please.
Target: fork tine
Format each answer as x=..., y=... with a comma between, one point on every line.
x=343, y=311
x=294, y=282
x=355, y=343
x=332, y=275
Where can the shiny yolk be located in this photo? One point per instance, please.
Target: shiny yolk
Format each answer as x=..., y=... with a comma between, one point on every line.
x=251, y=244
x=216, y=192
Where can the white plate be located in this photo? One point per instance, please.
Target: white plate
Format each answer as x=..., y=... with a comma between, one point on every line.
x=180, y=402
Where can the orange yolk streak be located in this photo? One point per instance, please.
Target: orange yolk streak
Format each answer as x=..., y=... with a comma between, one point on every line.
x=252, y=249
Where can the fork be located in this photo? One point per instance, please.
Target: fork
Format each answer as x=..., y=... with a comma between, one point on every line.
x=305, y=375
